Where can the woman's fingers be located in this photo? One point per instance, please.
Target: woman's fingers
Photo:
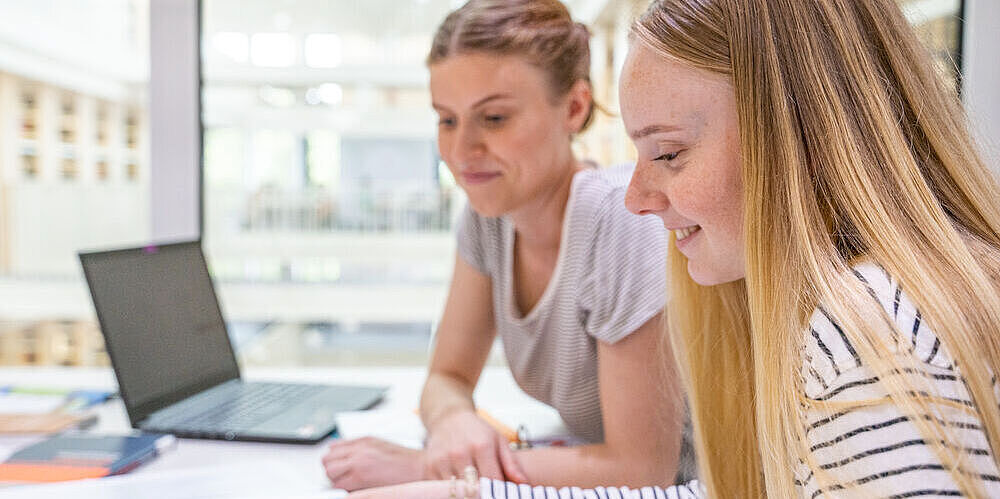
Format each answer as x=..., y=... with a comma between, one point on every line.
x=487, y=460
x=511, y=467
x=442, y=468
x=335, y=471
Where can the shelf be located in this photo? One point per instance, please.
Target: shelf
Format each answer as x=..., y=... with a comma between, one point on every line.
x=29, y=147
x=29, y=166
x=68, y=169
x=63, y=136
x=101, y=170
x=67, y=151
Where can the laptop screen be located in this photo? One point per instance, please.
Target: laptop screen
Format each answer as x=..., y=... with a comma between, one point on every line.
x=161, y=322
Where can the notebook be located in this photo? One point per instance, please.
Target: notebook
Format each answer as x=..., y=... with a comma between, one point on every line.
x=74, y=457
x=175, y=365
x=47, y=410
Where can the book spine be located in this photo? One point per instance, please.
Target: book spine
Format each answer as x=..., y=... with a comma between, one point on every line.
x=133, y=463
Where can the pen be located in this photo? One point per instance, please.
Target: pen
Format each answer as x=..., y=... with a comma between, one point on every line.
x=505, y=431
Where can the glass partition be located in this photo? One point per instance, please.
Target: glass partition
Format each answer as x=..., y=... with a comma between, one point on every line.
x=327, y=212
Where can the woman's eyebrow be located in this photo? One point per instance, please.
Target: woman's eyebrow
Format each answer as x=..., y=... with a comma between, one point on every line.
x=490, y=98
x=480, y=102
x=651, y=129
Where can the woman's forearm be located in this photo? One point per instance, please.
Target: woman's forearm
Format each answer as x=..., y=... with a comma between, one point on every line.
x=597, y=464
x=444, y=394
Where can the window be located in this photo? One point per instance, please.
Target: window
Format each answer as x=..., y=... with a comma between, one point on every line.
x=73, y=165
x=327, y=219
x=327, y=214
x=939, y=24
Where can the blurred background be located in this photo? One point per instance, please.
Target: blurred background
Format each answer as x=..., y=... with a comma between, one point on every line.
x=324, y=207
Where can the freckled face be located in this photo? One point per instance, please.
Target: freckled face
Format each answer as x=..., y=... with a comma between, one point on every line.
x=503, y=136
x=684, y=124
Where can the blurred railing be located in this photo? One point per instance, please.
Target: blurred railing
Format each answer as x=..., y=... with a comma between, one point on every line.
x=322, y=210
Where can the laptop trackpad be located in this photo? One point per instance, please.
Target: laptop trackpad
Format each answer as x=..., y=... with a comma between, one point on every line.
x=316, y=416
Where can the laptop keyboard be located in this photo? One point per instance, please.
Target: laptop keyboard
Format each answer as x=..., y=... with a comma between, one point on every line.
x=254, y=403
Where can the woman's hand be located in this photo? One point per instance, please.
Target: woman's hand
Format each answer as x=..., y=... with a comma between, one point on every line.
x=461, y=439
x=417, y=490
x=371, y=462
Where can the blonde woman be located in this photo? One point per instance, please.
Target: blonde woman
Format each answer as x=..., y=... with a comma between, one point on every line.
x=549, y=260
x=835, y=251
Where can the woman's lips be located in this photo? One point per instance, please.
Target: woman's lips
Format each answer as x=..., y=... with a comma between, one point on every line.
x=473, y=178
x=684, y=235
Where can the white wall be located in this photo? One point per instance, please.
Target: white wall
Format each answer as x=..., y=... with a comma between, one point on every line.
x=981, y=67
x=175, y=131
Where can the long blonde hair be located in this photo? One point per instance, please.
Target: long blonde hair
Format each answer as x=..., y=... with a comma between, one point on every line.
x=853, y=148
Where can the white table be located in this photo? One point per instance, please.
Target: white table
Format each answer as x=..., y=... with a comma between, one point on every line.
x=212, y=468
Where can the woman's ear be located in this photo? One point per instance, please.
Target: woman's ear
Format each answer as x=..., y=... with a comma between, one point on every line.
x=580, y=100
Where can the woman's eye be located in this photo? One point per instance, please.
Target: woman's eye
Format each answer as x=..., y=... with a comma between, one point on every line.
x=448, y=122
x=670, y=156
x=494, y=119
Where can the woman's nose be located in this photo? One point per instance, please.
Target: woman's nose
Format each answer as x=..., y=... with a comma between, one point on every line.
x=645, y=194
x=467, y=146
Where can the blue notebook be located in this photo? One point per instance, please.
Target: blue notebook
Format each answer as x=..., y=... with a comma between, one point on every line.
x=73, y=457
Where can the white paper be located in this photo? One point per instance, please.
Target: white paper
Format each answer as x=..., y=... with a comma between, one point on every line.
x=29, y=403
x=399, y=427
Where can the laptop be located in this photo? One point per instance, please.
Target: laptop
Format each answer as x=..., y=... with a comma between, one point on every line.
x=175, y=365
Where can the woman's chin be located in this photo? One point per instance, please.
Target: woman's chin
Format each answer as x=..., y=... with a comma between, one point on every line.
x=709, y=276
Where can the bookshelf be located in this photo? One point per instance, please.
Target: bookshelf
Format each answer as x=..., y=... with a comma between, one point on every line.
x=52, y=343
x=61, y=134
x=73, y=174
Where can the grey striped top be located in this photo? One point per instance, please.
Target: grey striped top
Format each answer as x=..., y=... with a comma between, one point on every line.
x=608, y=281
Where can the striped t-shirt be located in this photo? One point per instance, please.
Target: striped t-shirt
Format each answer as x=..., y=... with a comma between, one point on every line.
x=495, y=489
x=877, y=451
x=874, y=451
x=608, y=281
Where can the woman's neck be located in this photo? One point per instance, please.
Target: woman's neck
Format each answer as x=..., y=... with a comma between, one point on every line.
x=538, y=224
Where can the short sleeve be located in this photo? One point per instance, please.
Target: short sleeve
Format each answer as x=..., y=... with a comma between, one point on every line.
x=472, y=240
x=876, y=447
x=624, y=282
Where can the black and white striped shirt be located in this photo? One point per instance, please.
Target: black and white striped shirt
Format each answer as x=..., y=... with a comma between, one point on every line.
x=495, y=489
x=874, y=451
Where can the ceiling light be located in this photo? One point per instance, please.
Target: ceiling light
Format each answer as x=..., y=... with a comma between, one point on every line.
x=323, y=50
x=232, y=45
x=276, y=50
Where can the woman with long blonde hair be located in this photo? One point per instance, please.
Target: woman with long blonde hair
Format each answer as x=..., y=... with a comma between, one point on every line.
x=835, y=251
x=835, y=262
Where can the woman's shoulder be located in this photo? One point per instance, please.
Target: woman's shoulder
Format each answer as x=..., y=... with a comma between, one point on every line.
x=828, y=351
x=597, y=204
x=480, y=240
x=472, y=224
x=603, y=234
x=599, y=188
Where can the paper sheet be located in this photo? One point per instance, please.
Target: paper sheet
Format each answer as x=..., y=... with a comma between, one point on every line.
x=400, y=427
x=29, y=403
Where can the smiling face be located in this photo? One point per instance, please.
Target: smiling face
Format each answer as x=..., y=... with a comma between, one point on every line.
x=684, y=123
x=503, y=135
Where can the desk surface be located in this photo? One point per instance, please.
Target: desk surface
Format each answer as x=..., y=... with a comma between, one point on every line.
x=211, y=468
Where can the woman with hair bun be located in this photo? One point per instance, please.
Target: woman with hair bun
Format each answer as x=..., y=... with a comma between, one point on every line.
x=549, y=259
